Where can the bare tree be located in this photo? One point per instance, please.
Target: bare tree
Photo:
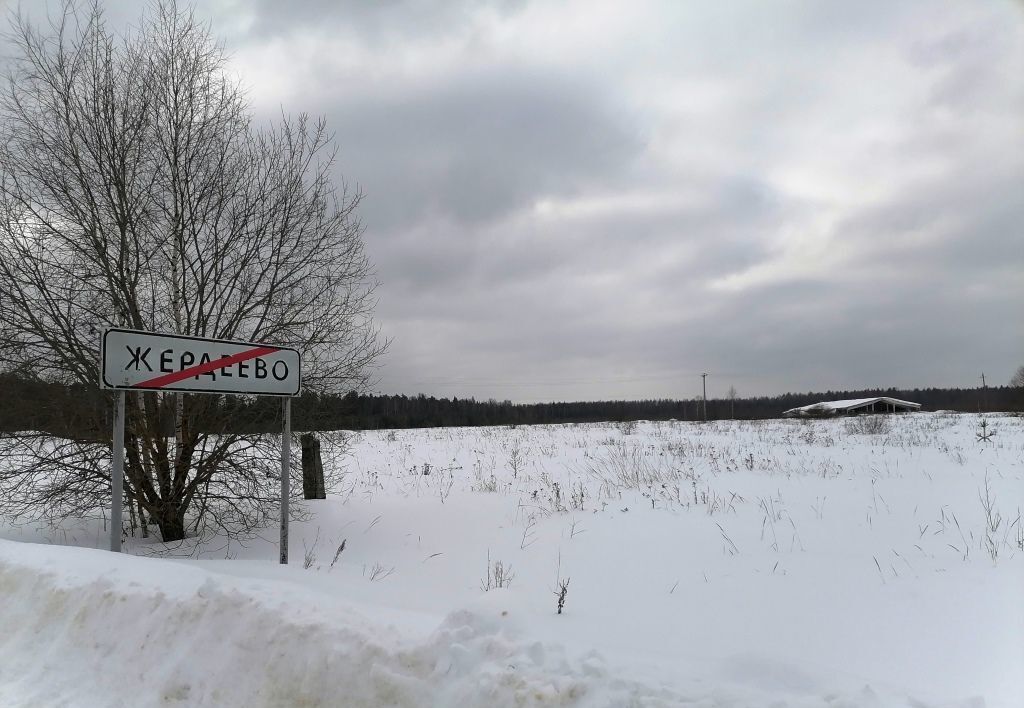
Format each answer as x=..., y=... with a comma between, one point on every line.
x=135, y=190
x=732, y=401
x=1017, y=380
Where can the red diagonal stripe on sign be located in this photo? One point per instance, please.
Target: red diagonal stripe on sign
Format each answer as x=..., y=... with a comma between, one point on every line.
x=213, y=364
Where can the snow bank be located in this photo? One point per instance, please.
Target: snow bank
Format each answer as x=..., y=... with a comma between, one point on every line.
x=80, y=627
x=83, y=627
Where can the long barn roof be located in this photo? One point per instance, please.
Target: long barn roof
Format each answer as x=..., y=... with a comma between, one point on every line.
x=834, y=406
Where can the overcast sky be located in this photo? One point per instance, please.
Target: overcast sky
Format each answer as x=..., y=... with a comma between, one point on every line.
x=587, y=200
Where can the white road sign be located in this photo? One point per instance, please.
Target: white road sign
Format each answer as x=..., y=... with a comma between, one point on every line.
x=136, y=360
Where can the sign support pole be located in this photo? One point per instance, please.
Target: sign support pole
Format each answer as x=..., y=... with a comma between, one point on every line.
x=286, y=454
x=117, y=476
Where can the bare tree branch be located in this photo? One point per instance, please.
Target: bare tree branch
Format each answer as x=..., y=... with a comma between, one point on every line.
x=136, y=191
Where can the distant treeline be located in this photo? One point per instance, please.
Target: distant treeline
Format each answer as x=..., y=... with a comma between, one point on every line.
x=369, y=412
x=78, y=410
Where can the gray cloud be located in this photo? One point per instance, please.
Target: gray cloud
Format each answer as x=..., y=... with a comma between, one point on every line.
x=376, y=21
x=478, y=146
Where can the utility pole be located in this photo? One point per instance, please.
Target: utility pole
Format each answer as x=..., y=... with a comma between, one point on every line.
x=704, y=376
x=983, y=390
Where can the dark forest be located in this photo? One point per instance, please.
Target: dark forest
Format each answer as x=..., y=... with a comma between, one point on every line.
x=63, y=410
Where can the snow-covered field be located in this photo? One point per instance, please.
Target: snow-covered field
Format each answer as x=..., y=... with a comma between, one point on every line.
x=773, y=563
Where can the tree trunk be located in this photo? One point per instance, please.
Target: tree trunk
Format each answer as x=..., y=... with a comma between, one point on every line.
x=142, y=520
x=312, y=469
x=171, y=521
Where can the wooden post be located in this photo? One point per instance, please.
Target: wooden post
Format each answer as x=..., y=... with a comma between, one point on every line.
x=312, y=469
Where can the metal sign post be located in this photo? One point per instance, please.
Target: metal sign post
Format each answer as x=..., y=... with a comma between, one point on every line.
x=286, y=455
x=133, y=360
x=117, y=476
